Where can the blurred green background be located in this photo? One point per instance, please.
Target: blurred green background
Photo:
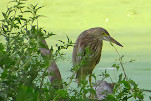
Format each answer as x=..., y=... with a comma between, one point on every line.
x=128, y=21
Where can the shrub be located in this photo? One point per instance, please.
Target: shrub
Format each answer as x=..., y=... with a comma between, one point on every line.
x=24, y=69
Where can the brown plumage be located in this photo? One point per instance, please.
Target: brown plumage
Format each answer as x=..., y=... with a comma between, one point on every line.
x=87, y=50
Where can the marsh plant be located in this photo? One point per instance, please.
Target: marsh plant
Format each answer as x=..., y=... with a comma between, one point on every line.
x=24, y=70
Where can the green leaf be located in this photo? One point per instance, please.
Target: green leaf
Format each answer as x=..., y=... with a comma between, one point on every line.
x=116, y=66
x=28, y=11
x=126, y=84
x=18, y=19
x=150, y=97
x=40, y=7
x=63, y=93
x=120, y=77
x=132, y=83
x=111, y=97
x=26, y=94
x=4, y=15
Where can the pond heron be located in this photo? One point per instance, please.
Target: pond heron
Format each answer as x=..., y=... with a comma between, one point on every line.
x=87, y=51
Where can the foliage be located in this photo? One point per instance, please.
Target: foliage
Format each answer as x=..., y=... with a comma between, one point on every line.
x=23, y=69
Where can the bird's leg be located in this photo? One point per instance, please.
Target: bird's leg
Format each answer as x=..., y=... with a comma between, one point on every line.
x=83, y=78
x=90, y=81
x=91, y=95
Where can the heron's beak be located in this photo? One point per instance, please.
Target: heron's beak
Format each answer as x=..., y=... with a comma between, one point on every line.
x=110, y=39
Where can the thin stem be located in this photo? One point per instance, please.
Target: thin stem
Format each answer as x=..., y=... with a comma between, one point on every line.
x=123, y=69
x=121, y=63
x=55, y=99
x=146, y=90
x=24, y=64
x=43, y=76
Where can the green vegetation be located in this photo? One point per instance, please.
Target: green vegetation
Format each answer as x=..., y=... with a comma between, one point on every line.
x=23, y=69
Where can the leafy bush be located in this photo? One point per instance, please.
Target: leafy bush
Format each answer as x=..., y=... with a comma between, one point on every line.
x=24, y=70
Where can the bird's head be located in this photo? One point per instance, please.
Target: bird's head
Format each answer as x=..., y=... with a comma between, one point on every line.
x=106, y=36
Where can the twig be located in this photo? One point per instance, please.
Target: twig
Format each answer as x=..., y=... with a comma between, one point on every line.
x=43, y=76
x=146, y=90
x=121, y=63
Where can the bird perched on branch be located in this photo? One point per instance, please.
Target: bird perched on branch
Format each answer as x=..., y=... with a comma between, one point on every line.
x=87, y=51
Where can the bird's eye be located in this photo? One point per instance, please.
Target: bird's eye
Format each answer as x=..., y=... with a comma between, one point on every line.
x=104, y=34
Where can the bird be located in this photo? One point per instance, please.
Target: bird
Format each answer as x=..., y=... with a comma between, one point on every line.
x=87, y=51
